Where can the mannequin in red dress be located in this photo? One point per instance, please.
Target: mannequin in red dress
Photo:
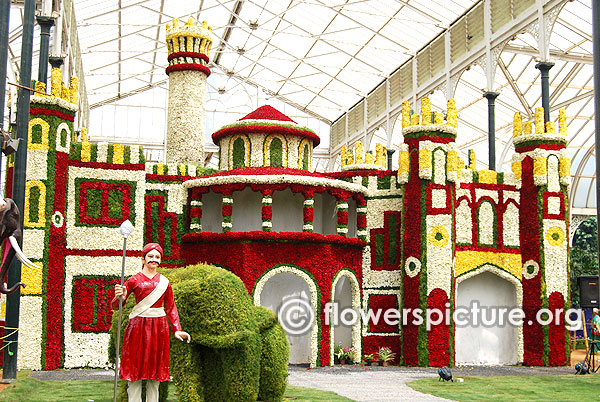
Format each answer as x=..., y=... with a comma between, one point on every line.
x=145, y=353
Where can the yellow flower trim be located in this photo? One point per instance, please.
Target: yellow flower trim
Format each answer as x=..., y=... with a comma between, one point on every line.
x=118, y=156
x=358, y=152
x=45, y=130
x=488, y=176
x=562, y=122
x=517, y=170
x=403, y=162
x=452, y=161
x=470, y=260
x=438, y=236
x=555, y=236
x=160, y=168
x=517, y=125
x=41, y=207
x=406, y=114
x=424, y=159
x=539, y=166
x=369, y=158
x=74, y=90
x=304, y=142
x=452, y=118
x=565, y=167
x=425, y=111
x=344, y=154
x=527, y=129
x=550, y=127
x=181, y=168
x=32, y=278
x=86, y=151
x=380, y=155
x=56, y=82
x=539, y=120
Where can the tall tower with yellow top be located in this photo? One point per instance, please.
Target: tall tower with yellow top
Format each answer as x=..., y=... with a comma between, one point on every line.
x=188, y=47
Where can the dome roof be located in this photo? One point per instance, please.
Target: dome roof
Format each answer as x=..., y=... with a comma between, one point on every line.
x=266, y=120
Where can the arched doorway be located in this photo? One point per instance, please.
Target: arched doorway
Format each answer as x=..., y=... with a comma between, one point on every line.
x=286, y=290
x=489, y=340
x=346, y=295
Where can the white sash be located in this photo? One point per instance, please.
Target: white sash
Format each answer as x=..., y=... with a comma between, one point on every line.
x=143, y=308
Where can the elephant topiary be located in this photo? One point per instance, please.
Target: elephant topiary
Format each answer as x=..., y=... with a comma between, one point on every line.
x=238, y=353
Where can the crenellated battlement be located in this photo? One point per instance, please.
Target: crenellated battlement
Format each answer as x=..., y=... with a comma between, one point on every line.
x=190, y=43
x=528, y=136
x=353, y=159
x=414, y=124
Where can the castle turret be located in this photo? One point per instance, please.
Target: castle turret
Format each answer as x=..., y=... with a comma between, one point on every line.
x=188, y=47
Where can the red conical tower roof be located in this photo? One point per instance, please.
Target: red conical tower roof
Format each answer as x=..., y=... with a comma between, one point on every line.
x=267, y=120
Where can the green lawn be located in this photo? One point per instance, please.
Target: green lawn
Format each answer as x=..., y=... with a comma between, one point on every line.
x=27, y=389
x=514, y=388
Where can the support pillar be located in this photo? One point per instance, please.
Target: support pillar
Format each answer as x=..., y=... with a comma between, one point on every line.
x=544, y=67
x=390, y=152
x=45, y=24
x=491, y=97
x=13, y=305
x=596, y=53
x=4, y=24
x=56, y=61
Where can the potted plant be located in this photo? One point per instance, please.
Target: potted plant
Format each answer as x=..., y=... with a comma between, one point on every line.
x=369, y=358
x=337, y=349
x=350, y=354
x=341, y=354
x=385, y=355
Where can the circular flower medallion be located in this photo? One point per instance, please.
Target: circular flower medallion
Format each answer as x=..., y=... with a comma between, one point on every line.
x=530, y=269
x=438, y=236
x=412, y=266
x=555, y=236
x=58, y=219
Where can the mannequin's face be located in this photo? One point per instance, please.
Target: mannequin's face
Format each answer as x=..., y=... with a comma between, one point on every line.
x=152, y=259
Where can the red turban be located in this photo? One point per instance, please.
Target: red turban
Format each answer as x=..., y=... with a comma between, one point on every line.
x=152, y=246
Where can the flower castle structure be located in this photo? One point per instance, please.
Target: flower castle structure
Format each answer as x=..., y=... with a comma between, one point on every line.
x=364, y=237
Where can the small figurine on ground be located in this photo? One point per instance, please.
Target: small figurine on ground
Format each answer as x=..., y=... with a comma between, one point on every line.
x=145, y=353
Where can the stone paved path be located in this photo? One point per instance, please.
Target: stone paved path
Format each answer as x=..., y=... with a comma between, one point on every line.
x=363, y=384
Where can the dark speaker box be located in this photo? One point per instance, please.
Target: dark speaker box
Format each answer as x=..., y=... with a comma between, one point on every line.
x=588, y=291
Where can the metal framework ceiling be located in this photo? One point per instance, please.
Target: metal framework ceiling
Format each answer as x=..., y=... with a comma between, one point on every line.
x=323, y=57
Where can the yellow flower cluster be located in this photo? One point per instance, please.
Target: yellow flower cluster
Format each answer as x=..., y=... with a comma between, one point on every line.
x=41, y=207
x=520, y=128
x=409, y=119
x=469, y=260
x=59, y=90
x=189, y=38
x=403, y=162
x=32, y=278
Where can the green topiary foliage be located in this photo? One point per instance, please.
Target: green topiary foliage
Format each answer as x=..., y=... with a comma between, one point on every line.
x=274, y=356
x=238, y=352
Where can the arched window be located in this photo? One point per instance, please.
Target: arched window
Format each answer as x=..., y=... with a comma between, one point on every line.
x=306, y=158
x=464, y=223
x=276, y=153
x=486, y=224
x=239, y=153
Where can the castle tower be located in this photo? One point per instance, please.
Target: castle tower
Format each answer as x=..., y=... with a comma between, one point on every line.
x=428, y=165
x=188, y=47
x=542, y=162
